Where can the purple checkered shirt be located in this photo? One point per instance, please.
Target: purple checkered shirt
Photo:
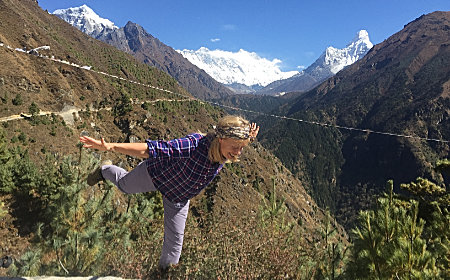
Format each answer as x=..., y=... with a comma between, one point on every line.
x=180, y=168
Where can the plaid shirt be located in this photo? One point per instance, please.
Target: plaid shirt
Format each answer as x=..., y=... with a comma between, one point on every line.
x=180, y=168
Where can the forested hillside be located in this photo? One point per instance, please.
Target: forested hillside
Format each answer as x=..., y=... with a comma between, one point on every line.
x=255, y=221
x=58, y=83
x=400, y=87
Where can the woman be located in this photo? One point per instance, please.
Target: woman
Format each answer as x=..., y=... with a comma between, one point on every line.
x=180, y=169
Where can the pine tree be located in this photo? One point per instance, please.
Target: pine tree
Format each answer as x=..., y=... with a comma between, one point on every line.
x=6, y=163
x=434, y=203
x=330, y=253
x=81, y=224
x=273, y=212
x=411, y=258
x=427, y=192
x=443, y=166
x=389, y=243
x=79, y=233
x=123, y=105
x=28, y=265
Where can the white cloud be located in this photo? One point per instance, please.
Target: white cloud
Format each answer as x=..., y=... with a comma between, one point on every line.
x=309, y=54
x=229, y=27
x=214, y=40
x=301, y=67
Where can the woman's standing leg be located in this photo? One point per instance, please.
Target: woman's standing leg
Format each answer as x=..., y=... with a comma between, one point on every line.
x=175, y=215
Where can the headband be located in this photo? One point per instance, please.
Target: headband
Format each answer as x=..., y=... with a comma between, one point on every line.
x=233, y=132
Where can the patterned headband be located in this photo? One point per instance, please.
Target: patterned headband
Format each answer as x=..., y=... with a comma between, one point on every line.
x=233, y=132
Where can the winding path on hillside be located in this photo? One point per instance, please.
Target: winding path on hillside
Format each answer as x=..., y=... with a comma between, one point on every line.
x=69, y=112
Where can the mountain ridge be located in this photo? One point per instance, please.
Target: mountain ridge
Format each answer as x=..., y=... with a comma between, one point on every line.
x=241, y=67
x=239, y=72
x=330, y=62
x=134, y=39
x=400, y=86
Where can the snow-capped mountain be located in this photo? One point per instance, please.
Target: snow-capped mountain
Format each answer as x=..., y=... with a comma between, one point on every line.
x=133, y=39
x=331, y=61
x=86, y=20
x=242, y=71
x=241, y=67
x=334, y=60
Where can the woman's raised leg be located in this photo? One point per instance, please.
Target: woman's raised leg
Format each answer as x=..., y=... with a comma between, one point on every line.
x=136, y=181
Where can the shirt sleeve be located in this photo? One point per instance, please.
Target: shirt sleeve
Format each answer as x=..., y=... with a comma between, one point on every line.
x=177, y=148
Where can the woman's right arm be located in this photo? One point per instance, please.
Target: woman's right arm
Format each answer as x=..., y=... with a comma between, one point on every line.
x=131, y=149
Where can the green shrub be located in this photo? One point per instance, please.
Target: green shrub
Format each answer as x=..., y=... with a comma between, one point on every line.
x=17, y=101
x=33, y=109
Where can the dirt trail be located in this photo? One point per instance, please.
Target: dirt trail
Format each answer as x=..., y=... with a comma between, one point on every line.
x=69, y=112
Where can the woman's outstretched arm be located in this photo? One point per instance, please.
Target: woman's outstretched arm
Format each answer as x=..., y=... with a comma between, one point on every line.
x=131, y=149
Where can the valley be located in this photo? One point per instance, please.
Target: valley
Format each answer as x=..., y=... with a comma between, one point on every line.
x=332, y=164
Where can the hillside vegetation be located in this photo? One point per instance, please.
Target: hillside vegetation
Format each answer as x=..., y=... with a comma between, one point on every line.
x=401, y=87
x=255, y=221
x=75, y=226
x=44, y=170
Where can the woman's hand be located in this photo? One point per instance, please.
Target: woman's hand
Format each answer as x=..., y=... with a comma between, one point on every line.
x=254, y=129
x=95, y=144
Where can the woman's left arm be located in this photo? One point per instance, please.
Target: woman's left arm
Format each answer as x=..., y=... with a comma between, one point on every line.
x=132, y=149
x=254, y=129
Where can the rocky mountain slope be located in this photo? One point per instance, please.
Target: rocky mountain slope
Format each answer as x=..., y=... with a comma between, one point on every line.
x=331, y=61
x=402, y=87
x=242, y=72
x=110, y=106
x=133, y=39
x=86, y=20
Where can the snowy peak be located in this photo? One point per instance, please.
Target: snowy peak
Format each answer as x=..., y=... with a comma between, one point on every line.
x=331, y=61
x=361, y=35
x=335, y=60
x=360, y=45
x=241, y=67
x=86, y=20
x=247, y=68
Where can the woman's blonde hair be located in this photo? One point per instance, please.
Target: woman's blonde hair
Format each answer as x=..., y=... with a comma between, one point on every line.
x=225, y=123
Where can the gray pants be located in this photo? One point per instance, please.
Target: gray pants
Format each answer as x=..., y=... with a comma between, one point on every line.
x=138, y=181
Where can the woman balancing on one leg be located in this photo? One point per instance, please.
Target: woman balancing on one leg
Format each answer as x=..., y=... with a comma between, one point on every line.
x=180, y=169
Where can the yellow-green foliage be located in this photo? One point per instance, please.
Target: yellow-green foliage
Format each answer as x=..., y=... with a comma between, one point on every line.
x=3, y=211
x=443, y=166
x=428, y=191
x=394, y=241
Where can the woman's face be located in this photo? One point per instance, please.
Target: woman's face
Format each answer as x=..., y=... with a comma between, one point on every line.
x=231, y=148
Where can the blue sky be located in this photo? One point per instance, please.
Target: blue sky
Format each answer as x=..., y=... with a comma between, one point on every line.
x=294, y=31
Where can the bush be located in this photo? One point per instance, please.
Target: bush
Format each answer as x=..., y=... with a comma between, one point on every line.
x=17, y=101
x=23, y=138
x=34, y=109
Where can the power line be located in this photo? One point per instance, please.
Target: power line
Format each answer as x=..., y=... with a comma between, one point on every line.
x=89, y=68
x=335, y=125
